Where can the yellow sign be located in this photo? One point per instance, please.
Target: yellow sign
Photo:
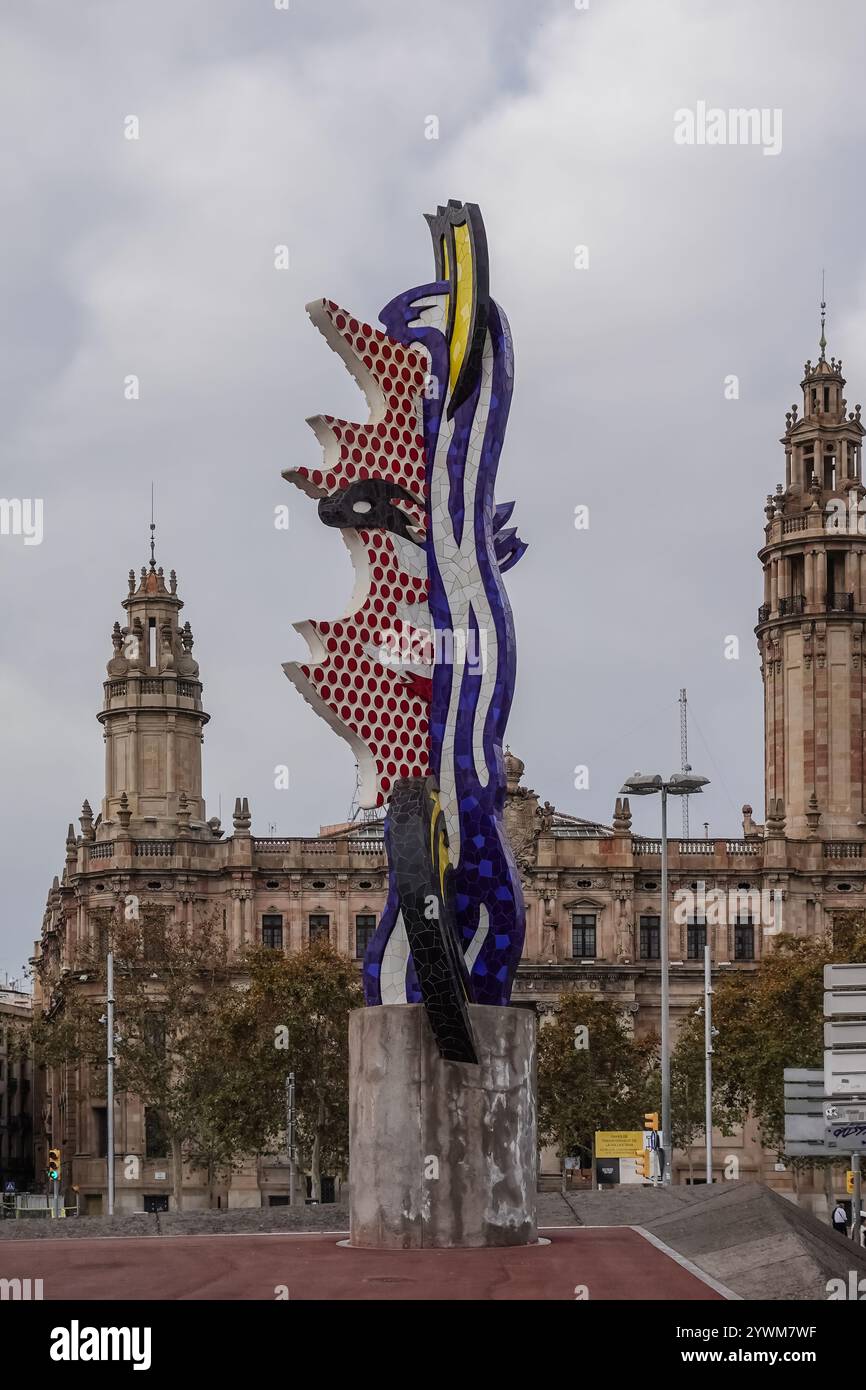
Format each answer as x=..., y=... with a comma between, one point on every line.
x=618, y=1143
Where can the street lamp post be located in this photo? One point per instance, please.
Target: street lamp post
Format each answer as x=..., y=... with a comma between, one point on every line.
x=290, y=1133
x=708, y=1064
x=680, y=784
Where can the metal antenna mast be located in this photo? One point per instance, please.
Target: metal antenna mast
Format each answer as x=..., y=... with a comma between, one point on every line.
x=684, y=755
x=355, y=810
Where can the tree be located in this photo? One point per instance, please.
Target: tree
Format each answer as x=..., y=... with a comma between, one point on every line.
x=592, y=1074
x=687, y=1096
x=167, y=979
x=768, y=1019
x=293, y=1016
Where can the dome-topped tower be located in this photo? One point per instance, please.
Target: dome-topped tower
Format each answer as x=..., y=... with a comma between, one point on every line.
x=152, y=715
x=514, y=769
x=810, y=625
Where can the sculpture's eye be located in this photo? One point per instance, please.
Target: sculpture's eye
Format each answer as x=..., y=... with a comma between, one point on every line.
x=362, y=506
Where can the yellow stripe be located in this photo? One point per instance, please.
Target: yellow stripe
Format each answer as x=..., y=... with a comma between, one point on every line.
x=463, y=301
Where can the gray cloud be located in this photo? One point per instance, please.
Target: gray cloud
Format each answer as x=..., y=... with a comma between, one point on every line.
x=155, y=257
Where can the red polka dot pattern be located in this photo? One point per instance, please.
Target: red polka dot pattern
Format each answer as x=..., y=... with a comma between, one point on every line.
x=371, y=699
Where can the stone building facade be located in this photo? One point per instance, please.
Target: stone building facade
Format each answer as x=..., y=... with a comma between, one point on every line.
x=592, y=890
x=16, y=1090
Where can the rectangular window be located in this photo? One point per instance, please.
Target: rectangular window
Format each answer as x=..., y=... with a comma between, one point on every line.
x=583, y=935
x=154, y=1034
x=100, y=1125
x=744, y=939
x=155, y=1142
x=320, y=929
x=808, y=465
x=153, y=940
x=650, y=938
x=365, y=927
x=696, y=938
x=272, y=930
x=151, y=643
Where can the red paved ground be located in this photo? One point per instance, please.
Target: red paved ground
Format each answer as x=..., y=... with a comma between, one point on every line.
x=613, y=1262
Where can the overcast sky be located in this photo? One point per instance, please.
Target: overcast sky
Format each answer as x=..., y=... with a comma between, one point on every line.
x=261, y=127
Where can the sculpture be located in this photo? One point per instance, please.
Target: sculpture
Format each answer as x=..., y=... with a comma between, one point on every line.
x=418, y=676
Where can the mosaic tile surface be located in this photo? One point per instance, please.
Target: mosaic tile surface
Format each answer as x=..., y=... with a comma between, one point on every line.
x=418, y=675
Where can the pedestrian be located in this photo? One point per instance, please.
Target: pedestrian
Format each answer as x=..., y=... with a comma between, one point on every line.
x=840, y=1219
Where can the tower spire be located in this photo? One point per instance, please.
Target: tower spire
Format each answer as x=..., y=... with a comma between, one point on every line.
x=810, y=624
x=152, y=533
x=822, y=341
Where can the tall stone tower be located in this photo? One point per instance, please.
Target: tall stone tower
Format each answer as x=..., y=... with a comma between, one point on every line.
x=810, y=626
x=152, y=715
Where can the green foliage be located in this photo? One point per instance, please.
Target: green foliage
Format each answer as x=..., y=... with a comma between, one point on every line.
x=687, y=1088
x=601, y=1086
x=768, y=1019
x=208, y=1046
x=293, y=1016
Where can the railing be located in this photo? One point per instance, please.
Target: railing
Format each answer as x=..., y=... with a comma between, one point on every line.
x=794, y=604
x=154, y=849
x=794, y=523
x=102, y=851
x=580, y=832
x=764, y=613
x=151, y=687
x=840, y=603
x=116, y=688
x=643, y=846
x=275, y=844
x=843, y=849
x=188, y=689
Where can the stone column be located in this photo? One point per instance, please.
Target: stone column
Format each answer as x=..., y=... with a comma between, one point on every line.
x=851, y=573
x=237, y=924
x=822, y=577
x=441, y=1154
x=170, y=759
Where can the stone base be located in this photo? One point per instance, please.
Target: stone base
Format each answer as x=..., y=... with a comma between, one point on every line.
x=442, y=1154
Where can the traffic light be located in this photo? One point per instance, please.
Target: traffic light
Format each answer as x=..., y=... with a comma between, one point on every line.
x=849, y=1181
x=54, y=1165
x=642, y=1163
x=651, y=1121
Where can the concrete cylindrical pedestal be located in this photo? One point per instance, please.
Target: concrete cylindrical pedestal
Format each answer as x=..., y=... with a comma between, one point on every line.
x=441, y=1153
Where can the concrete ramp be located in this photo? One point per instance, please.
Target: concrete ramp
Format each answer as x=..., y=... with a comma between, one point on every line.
x=757, y=1243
